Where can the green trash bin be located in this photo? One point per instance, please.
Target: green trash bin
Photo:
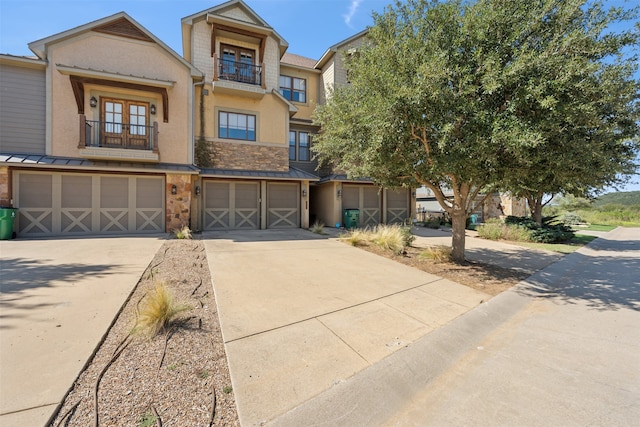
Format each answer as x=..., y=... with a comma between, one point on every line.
x=7, y=217
x=351, y=218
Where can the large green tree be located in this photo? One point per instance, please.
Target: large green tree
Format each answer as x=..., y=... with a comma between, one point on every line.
x=435, y=95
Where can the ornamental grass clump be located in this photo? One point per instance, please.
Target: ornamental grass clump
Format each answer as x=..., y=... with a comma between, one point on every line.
x=437, y=253
x=356, y=237
x=158, y=311
x=183, y=233
x=318, y=228
x=392, y=237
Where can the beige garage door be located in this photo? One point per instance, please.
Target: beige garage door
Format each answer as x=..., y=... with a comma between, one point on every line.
x=283, y=208
x=397, y=206
x=366, y=198
x=52, y=204
x=231, y=205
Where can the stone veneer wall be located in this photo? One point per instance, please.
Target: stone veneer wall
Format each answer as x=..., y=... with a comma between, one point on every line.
x=5, y=193
x=510, y=206
x=233, y=155
x=178, y=210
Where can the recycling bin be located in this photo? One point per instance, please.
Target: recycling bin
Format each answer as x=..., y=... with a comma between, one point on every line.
x=351, y=218
x=7, y=218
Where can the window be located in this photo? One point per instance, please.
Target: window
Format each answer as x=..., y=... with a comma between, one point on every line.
x=293, y=89
x=236, y=126
x=299, y=144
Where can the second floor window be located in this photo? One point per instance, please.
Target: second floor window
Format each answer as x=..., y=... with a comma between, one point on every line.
x=236, y=126
x=299, y=146
x=293, y=88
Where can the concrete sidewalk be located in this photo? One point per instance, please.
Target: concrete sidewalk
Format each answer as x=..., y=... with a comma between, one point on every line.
x=57, y=299
x=561, y=348
x=300, y=313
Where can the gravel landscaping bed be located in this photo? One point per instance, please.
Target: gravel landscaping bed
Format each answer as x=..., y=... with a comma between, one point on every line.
x=179, y=377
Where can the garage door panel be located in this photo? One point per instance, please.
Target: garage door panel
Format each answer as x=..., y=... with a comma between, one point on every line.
x=366, y=199
x=231, y=205
x=397, y=206
x=66, y=203
x=283, y=205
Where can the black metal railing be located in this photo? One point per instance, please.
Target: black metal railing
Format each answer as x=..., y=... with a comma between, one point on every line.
x=239, y=72
x=119, y=135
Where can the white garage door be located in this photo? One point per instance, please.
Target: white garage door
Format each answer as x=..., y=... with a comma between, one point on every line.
x=231, y=205
x=397, y=206
x=366, y=198
x=283, y=209
x=52, y=204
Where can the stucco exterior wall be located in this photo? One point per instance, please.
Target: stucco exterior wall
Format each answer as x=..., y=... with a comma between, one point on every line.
x=325, y=206
x=272, y=116
x=305, y=109
x=127, y=57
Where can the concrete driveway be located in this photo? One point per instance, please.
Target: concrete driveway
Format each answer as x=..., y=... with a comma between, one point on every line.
x=57, y=299
x=300, y=313
x=561, y=348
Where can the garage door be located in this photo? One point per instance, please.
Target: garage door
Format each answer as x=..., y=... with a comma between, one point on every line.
x=397, y=206
x=231, y=205
x=80, y=204
x=283, y=207
x=366, y=198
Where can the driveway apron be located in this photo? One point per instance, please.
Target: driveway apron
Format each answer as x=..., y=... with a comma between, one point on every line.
x=300, y=313
x=57, y=299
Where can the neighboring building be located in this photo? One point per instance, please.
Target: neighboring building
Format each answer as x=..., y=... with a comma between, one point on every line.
x=98, y=131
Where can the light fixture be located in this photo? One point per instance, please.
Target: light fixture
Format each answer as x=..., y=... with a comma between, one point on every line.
x=153, y=109
x=93, y=102
x=413, y=194
x=304, y=192
x=174, y=189
x=197, y=190
x=339, y=193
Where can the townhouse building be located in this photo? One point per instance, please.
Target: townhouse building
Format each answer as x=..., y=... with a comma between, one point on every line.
x=102, y=131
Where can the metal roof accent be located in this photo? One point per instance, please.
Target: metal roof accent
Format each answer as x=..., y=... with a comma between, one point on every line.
x=292, y=174
x=42, y=160
x=343, y=178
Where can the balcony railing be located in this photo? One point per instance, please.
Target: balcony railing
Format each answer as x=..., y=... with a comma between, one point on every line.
x=118, y=135
x=239, y=72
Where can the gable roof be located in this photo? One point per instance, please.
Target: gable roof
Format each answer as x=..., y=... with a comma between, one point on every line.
x=298, y=60
x=336, y=47
x=119, y=24
x=219, y=15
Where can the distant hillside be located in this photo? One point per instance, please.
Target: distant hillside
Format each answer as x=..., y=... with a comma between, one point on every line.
x=620, y=198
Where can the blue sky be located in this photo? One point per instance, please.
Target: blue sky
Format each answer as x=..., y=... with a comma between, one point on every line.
x=310, y=26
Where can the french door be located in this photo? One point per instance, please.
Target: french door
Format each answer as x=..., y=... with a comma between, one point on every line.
x=125, y=123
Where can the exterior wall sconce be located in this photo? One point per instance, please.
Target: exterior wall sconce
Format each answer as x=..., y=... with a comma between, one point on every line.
x=339, y=193
x=413, y=194
x=197, y=190
x=174, y=189
x=304, y=192
x=93, y=102
x=153, y=109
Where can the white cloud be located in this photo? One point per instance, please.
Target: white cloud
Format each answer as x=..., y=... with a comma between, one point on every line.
x=353, y=7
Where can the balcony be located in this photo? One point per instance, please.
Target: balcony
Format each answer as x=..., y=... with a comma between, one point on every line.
x=118, y=141
x=238, y=78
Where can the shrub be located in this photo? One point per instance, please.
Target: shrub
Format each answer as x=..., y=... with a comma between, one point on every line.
x=492, y=229
x=571, y=218
x=158, y=311
x=439, y=253
x=390, y=238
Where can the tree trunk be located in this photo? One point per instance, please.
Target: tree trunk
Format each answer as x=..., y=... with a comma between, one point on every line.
x=535, y=207
x=459, y=224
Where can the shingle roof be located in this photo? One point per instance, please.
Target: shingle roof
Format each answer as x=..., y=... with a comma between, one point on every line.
x=297, y=60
